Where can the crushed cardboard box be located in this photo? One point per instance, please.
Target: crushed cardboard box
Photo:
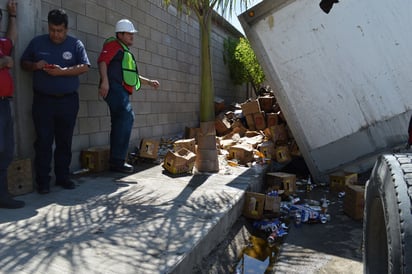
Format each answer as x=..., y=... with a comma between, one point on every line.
x=181, y=161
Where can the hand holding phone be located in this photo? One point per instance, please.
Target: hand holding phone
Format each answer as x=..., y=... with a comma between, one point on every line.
x=49, y=66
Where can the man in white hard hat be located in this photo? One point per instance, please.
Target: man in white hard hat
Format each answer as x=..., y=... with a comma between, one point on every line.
x=119, y=77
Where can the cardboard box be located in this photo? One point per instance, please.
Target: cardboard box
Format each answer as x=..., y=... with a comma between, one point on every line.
x=96, y=159
x=259, y=120
x=19, y=177
x=338, y=180
x=149, y=149
x=192, y=132
x=250, y=122
x=268, y=149
x=279, y=134
x=254, y=205
x=252, y=134
x=252, y=140
x=282, y=154
x=238, y=127
x=266, y=103
x=181, y=161
x=250, y=107
x=354, y=201
x=226, y=143
x=271, y=119
x=272, y=203
x=242, y=153
x=189, y=144
x=222, y=125
x=294, y=149
x=281, y=181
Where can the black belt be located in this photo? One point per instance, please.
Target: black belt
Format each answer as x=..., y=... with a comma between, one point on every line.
x=6, y=98
x=55, y=95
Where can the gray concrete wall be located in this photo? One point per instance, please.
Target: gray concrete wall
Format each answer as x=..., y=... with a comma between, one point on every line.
x=166, y=48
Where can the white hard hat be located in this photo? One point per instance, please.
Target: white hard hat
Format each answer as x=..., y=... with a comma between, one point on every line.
x=125, y=25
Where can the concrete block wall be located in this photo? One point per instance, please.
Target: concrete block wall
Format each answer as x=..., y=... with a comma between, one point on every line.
x=167, y=48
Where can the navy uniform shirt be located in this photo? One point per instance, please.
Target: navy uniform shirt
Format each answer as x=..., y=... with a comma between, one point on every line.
x=69, y=53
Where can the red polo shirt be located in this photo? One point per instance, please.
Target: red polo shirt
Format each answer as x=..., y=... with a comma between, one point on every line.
x=6, y=81
x=112, y=55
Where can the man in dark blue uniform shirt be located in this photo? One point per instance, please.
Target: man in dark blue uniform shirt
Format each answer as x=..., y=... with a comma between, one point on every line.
x=56, y=60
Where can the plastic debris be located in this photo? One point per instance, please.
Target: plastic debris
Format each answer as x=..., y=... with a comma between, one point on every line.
x=275, y=228
x=307, y=214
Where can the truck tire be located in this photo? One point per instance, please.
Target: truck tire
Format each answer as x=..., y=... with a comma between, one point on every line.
x=387, y=224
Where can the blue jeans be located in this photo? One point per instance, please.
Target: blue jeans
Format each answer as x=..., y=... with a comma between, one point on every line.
x=122, y=118
x=6, y=144
x=54, y=120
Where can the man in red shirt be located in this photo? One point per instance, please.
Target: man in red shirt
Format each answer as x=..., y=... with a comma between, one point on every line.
x=6, y=93
x=117, y=83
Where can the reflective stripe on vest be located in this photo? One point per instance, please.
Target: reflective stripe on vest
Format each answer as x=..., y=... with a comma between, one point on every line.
x=129, y=67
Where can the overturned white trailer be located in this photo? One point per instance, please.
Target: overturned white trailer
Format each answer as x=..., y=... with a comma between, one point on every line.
x=343, y=79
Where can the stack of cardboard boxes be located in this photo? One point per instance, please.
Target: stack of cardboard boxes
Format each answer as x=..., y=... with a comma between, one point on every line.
x=262, y=129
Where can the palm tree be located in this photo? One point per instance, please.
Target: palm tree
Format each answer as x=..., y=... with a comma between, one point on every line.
x=206, y=160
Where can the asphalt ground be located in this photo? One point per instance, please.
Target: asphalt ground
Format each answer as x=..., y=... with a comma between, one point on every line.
x=333, y=247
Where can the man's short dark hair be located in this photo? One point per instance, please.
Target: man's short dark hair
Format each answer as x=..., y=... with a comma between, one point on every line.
x=58, y=17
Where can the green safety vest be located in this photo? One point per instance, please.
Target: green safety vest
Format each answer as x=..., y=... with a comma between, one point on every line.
x=129, y=67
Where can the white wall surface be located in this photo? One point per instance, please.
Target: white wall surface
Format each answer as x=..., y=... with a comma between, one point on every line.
x=338, y=74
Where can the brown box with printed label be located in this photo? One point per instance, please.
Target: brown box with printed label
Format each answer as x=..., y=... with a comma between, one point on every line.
x=281, y=181
x=19, y=177
x=149, y=149
x=338, y=180
x=181, y=161
x=96, y=159
x=254, y=205
x=354, y=201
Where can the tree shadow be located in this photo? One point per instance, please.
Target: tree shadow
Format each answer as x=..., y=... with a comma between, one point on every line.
x=101, y=227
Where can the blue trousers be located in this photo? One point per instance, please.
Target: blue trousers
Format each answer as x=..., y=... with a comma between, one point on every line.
x=122, y=118
x=6, y=144
x=54, y=120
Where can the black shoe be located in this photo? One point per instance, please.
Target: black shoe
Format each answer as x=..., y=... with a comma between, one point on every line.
x=125, y=168
x=43, y=189
x=10, y=203
x=68, y=184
